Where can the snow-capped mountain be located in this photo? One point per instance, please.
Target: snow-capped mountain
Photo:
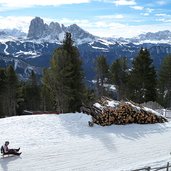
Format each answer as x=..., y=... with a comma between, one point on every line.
x=160, y=35
x=22, y=67
x=12, y=33
x=54, y=32
x=36, y=47
x=156, y=38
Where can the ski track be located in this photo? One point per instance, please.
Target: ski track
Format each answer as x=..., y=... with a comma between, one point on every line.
x=66, y=143
x=5, y=49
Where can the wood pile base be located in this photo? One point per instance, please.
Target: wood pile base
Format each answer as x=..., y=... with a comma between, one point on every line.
x=123, y=113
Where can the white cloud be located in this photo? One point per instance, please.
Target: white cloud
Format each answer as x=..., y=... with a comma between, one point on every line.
x=164, y=20
x=108, y=28
x=124, y=2
x=162, y=2
x=145, y=14
x=18, y=22
x=117, y=16
x=161, y=15
x=10, y=22
x=149, y=10
x=136, y=7
x=12, y=4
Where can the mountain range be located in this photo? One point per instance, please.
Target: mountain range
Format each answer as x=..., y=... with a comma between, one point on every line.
x=33, y=50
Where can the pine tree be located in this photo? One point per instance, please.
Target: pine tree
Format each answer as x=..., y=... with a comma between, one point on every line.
x=119, y=76
x=142, y=83
x=32, y=93
x=20, y=98
x=164, y=83
x=102, y=74
x=3, y=92
x=64, y=78
x=47, y=92
x=12, y=85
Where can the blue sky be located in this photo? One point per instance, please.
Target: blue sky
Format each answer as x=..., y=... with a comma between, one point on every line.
x=105, y=18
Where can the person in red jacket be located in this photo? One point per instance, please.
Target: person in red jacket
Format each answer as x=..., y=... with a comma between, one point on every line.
x=6, y=150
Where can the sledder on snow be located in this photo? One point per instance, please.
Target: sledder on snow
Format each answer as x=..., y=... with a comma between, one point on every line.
x=6, y=151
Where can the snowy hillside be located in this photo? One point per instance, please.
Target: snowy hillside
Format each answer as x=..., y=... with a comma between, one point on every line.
x=65, y=142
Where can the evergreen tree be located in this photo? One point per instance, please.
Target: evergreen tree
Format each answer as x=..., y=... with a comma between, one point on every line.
x=119, y=76
x=32, y=93
x=165, y=82
x=142, y=83
x=47, y=92
x=88, y=97
x=12, y=85
x=20, y=98
x=3, y=92
x=64, y=78
x=102, y=74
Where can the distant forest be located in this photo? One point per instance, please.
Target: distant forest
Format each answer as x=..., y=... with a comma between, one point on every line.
x=62, y=87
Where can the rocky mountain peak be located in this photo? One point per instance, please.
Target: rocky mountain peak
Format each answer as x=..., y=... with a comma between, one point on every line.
x=55, y=28
x=160, y=35
x=55, y=32
x=36, y=28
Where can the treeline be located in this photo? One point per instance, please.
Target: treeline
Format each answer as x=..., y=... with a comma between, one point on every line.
x=139, y=83
x=63, y=89
x=16, y=95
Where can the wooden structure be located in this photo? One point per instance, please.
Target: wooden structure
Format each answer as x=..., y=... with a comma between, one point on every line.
x=167, y=167
x=121, y=113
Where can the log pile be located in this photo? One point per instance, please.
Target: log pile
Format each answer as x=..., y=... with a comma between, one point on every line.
x=121, y=113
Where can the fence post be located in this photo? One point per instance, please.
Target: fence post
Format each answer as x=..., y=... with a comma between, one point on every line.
x=167, y=167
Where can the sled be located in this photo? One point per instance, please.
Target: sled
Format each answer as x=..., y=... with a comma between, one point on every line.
x=6, y=154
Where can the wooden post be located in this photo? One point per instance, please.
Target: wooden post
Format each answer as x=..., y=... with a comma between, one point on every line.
x=167, y=169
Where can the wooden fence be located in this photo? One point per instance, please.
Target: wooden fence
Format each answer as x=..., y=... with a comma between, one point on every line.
x=165, y=112
x=167, y=167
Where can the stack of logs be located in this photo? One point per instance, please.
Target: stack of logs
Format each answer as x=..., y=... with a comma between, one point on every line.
x=123, y=113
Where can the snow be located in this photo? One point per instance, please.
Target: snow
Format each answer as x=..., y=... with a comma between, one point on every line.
x=100, y=48
x=83, y=40
x=153, y=42
x=61, y=36
x=65, y=142
x=98, y=105
x=5, y=50
x=105, y=42
x=31, y=54
x=16, y=64
x=151, y=110
x=110, y=87
x=113, y=103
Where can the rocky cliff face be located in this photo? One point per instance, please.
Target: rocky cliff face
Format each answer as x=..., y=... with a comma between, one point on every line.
x=37, y=28
x=54, y=31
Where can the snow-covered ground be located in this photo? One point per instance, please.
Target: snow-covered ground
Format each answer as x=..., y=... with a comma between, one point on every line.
x=66, y=143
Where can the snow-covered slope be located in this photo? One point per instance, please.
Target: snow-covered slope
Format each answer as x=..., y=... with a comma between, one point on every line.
x=66, y=143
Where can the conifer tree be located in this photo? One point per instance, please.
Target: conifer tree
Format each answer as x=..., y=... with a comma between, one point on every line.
x=119, y=76
x=142, y=83
x=12, y=85
x=164, y=83
x=20, y=98
x=47, y=92
x=102, y=74
x=64, y=78
x=32, y=93
x=3, y=92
